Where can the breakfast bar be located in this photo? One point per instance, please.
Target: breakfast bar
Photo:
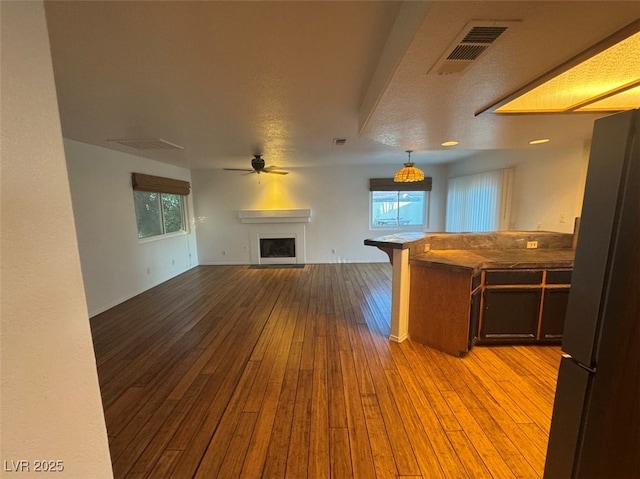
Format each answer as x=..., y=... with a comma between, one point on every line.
x=451, y=291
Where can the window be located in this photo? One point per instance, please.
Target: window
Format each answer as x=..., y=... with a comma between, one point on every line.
x=159, y=205
x=399, y=205
x=479, y=202
x=397, y=208
x=158, y=213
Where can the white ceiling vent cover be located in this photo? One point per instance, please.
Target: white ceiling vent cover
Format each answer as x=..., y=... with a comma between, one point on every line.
x=471, y=42
x=147, y=143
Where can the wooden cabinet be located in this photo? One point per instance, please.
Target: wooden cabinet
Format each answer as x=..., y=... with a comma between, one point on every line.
x=439, y=308
x=451, y=309
x=474, y=323
x=556, y=297
x=555, y=309
x=524, y=305
x=510, y=277
x=510, y=314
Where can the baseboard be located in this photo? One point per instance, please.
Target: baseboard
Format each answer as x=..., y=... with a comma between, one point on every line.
x=221, y=263
x=235, y=263
x=398, y=339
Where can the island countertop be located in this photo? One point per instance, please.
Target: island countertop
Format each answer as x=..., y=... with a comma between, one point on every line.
x=478, y=259
x=396, y=241
x=417, y=243
x=466, y=253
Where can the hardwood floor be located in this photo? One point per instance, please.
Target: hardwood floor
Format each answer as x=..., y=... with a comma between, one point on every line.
x=227, y=371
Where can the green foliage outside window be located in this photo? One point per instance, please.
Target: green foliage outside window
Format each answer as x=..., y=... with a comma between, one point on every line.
x=158, y=213
x=172, y=209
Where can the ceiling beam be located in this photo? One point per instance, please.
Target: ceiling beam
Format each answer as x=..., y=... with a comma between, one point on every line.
x=409, y=18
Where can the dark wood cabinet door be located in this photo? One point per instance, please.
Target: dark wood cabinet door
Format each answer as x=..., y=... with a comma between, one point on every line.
x=511, y=314
x=554, y=310
x=474, y=324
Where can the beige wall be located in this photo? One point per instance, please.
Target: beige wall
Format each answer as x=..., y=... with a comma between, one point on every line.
x=338, y=197
x=50, y=401
x=115, y=265
x=548, y=183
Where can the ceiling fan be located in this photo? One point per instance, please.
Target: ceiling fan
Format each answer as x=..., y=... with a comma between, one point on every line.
x=257, y=165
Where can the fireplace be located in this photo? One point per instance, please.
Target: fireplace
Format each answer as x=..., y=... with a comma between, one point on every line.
x=277, y=247
x=276, y=236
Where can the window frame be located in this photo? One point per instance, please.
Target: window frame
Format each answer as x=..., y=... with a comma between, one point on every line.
x=388, y=185
x=183, y=231
x=425, y=212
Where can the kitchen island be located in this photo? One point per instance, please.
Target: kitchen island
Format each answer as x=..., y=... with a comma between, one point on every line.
x=451, y=291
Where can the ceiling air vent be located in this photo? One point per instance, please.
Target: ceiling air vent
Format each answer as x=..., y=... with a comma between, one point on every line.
x=339, y=141
x=471, y=42
x=147, y=144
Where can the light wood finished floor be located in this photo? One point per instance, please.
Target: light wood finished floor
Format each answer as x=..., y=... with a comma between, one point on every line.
x=227, y=371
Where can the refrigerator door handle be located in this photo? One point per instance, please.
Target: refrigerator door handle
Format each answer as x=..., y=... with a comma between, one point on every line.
x=583, y=366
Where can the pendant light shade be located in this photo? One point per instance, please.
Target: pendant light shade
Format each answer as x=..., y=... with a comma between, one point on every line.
x=409, y=173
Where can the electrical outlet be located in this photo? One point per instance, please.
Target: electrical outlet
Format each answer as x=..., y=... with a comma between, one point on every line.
x=532, y=244
x=563, y=218
x=427, y=247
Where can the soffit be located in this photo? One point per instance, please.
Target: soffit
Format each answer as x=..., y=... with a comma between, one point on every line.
x=420, y=110
x=225, y=80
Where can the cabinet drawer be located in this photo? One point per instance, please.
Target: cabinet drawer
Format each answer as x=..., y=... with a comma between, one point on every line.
x=496, y=277
x=559, y=276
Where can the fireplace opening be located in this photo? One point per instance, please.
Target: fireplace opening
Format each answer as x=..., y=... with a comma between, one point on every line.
x=277, y=247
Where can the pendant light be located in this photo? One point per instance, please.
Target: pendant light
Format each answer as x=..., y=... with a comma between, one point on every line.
x=409, y=173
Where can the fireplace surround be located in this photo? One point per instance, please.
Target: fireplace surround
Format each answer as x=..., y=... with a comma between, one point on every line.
x=269, y=227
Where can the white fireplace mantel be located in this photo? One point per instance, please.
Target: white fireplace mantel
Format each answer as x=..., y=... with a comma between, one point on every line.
x=276, y=224
x=275, y=216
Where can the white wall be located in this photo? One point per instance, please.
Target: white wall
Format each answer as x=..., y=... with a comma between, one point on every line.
x=115, y=264
x=50, y=406
x=338, y=198
x=548, y=183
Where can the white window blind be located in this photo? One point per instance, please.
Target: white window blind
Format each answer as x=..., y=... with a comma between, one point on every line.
x=479, y=202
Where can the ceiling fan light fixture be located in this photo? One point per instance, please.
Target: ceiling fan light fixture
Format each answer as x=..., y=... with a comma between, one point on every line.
x=409, y=173
x=258, y=166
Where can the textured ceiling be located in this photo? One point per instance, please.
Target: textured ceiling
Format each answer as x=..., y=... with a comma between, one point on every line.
x=228, y=79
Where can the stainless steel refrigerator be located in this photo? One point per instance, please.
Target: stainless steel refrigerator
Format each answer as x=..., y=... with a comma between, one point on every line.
x=595, y=428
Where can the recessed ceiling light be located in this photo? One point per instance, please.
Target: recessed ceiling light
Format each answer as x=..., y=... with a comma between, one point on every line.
x=449, y=143
x=606, y=77
x=539, y=141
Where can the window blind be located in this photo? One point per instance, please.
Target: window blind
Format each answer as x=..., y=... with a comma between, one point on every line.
x=159, y=184
x=479, y=202
x=387, y=184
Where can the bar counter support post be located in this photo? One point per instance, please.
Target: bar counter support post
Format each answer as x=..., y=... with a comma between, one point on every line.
x=400, y=295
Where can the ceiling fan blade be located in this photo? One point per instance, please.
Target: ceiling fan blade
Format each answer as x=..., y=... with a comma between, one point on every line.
x=275, y=169
x=238, y=169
